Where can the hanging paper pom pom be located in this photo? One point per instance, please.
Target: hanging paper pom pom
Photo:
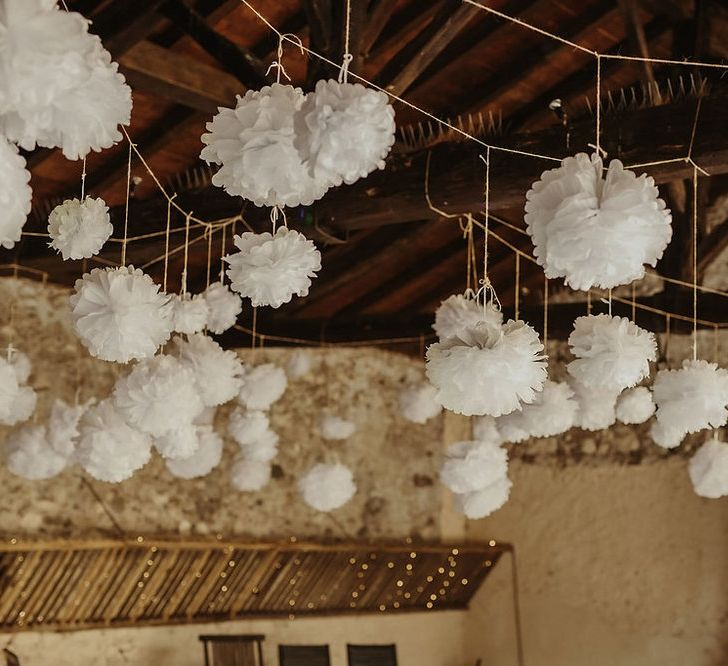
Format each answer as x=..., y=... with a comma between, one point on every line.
x=63, y=427
x=596, y=407
x=481, y=503
x=335, y=427
x=486, y=430
x=552, y=412
x=109, y=449
x=181, y=442
x=59, y=87
x=692, y=398
x=78, y=230
x=218, y=373
x=202, y=461
x=249, y=475
x=299, y=364
x=665, y=436
x=262, y=386
x=28, y=454
x=15, y=192
x=596, y=231
x=611, y=352
x=254, y=144
x=159, y=395
x=487, y=369
x=119, y=314
x=24, y=406
x=418, y=403
x=270, y=269
x=344, y=131
x=708, y=469
x=189, y=313
x=246, y=427
x=224, y=308
x=457, y=313
x=635, y=405
x=262, y=449
x=327, y=487
x=472, y=466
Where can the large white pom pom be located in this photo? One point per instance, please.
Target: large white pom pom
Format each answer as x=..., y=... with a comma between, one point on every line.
x=202, y=461
x=635, y=405
x=224, y=307
x=596, y=231
x=487, y=369
x=158, y=395
x=708, y=469
x=63, y=427
x=249, y=475
x=254, y=144
x=28, y=454
x=119, y=314
x=262, y=449
x=551, y=413
x=189, y=313
x=78, y=230
x=335, y=427
x=246, y=427
x=262, y=386
x=485, y=430
x=472, y=466
x=15, y=193
x=344, y=131
x=418, y=403
x=179, y=443
x=269, y=269
x=109, y=449
x=218, y=373
x=327, y=487
x=483, y=502
x=611, y=352
x=596, y=407
x=457, y=313
x=299, y=365
x=692, y=398
x=666, y=437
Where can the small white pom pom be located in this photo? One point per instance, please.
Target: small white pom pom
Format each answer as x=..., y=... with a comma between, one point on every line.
x=271, y=269
x=708, y=469
x=189, y=313
x=17, y=401
x=418, y=403
x=472, y=466
x=262, y=449
x=179, y=443
x=78, y=230
x=224, y=307
x=488, y=369
x=594, y=230
x=245, y=427
x=109, y=449
x=262, y=386
x=486, y=430
x=344, y=131
x=15, y=193
x=299, y=365
x=21, y=366
x=635, y=405
x=249, y=475
x=457, y=313
x=665, y=436
x=327, y=487
x=202, y=461
x=28, y=454
x=63, y=427
x=119, y=314
x=597, y=407
x=335, y=427
x=483, y=502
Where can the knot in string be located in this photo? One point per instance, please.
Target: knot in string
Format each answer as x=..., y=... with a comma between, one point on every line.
x=344, y=71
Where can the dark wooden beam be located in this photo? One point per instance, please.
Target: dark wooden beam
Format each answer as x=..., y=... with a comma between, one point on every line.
x=379, y=15
x=128, y=24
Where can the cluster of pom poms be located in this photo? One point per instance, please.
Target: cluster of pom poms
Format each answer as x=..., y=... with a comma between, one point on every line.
x=79, y=229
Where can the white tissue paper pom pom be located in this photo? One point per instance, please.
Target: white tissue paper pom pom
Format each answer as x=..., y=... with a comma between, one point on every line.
x=17, y=402
x=21, y=366
x=708, y=469
x=483, y=502
x=158, y=395
x=15, y=193
x=79, y=229
x=63, y=427
x=224, y=306
x=262, y=386
x=262, y=449
x=119, y=314
x=189, y=313
x=327, y=487
x=249, y=475
x=299, y=364
x=59, y=87
x=271, y=269
x=24, y=405
x=344, y=131
x=181, y=442
x=253, y=143
x=635, y=405
x=472, y=466
x=487, y=369
x=551, y=413
x=218, y=373
x=691, y=398
x=202, y=461
x=418, y=403
x=29, y=455
x=335, y=427
x=109, y=449
x=485, y=430
x=665, y=436
x=595, y=231
x=611, y=352
x=245, y=427
x=457, y=313
x=597, y=407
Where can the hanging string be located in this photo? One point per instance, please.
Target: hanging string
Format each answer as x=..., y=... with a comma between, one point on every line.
x=598, y=129
x=468, y=235
x=187, y=252
x=126, y=207
x=517, y=292
x=83, y=179
x=255, y=324
x=209, y=255
x=222, y=257
x=166, y=245
x=347, y=57
x=695, y=264
x=487, y=286
x=545, y=313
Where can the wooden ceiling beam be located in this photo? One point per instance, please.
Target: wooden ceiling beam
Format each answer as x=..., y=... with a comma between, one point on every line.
x=377, y=19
